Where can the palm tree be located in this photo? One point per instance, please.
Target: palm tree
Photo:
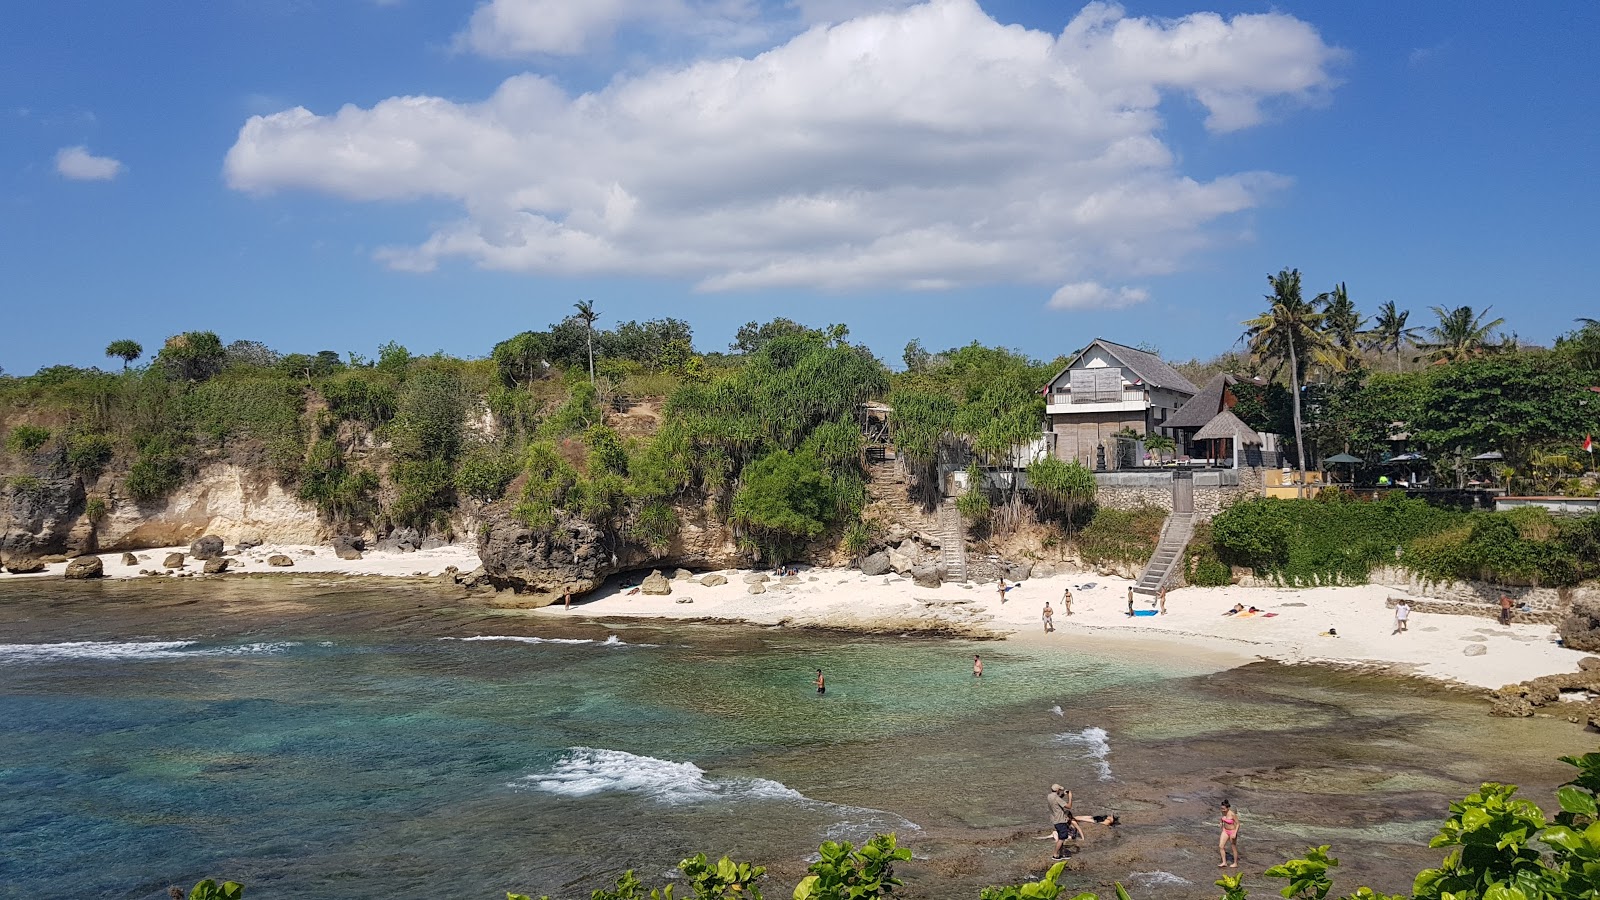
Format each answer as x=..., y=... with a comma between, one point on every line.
x=587, y=315
x=1389, y=331
x=1343, y=327
x=125, y=349
x=1290, y=331
x=1460, y=335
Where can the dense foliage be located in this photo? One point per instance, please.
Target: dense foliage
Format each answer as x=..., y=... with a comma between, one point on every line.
x=1336, y=539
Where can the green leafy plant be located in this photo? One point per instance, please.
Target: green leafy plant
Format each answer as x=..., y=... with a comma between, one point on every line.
x=26, y=438
x=845, y=873
x=1307, y=876
x=723, y=879
x=210, y=890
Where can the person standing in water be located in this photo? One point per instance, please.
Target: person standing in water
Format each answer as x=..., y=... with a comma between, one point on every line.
x=1049, y=618
x=822, y=686
x=1229, y=837
x=977, y=666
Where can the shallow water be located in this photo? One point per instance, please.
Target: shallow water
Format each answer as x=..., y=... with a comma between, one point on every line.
x=321, y=739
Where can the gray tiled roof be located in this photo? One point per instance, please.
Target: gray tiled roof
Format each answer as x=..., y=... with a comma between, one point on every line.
x=1203, y=406
x=1227, y=425
x=1150, y=368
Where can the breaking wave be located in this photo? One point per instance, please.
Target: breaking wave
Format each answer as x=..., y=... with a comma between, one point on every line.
x=585, y=771
x=128, y=650
x=612, y=641
x=1096, y=746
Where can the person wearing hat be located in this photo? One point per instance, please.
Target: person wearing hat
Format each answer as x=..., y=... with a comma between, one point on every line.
x=1061, y=818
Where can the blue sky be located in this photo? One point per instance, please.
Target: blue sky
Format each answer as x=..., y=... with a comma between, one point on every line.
x=1029, y=174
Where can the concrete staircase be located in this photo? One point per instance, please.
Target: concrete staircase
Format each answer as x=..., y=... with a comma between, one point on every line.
x=1175, y=534
x=952, y=541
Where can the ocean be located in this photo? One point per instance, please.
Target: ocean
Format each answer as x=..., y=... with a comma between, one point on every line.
x=324, y=739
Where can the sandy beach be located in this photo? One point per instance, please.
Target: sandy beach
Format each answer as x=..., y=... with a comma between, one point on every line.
x=1290, y=627
x=1433, y=647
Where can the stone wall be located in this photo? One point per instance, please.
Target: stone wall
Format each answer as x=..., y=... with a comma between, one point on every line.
x=1133, y=490
x=1541, y=599
x=1480, y=610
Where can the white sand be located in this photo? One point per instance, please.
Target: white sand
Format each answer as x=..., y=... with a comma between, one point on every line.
x=1193, y=626
x=1432, y=647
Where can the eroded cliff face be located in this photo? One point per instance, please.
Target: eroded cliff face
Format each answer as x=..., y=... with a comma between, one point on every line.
x=576, y=556
x=51, y=516
x=225, y=500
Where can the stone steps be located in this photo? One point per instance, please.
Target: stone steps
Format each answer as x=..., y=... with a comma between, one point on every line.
x=1175, y=534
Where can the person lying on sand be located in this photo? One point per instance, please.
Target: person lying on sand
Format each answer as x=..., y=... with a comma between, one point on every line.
x=1237, y=608
x=1331, y=632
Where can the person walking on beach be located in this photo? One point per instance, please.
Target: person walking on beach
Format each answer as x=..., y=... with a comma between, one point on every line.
x=977, y=666
x=1002, y=590
x=822, y=686
x=1402, y=616
x=1066, y=600
x=1229, y=837
x=1061, y=818
x=567, y=601
x=1505, y=610
x=1049, y=616
x=1161, y=598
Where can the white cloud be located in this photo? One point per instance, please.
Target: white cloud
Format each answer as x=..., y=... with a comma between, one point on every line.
x=79, y=164
x=917, y=148
x=1093, y=295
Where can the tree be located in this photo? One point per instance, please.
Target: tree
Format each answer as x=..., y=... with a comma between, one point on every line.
x=752, y=336
x=1460, y=335
x=1287, y=333
x=1061, y=488
x=192, y=356
x=1389, y=331
x=587, y=316
x=127, y=350
x=1582, y=347
x=1513, y=403
x=1343, y=326
x=787, y=499
x=521, y=359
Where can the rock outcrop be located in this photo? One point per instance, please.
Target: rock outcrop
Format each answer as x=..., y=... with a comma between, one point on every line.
x=713, y=580
x=216, y=566
x=128, y=559
x=1575, y=694
x=1580, y=630
x=348, y=546
x=279, y=560
x=875, y=564
x=173, y=561
x=86, y=567
x=656, y=584
x=38, y=515
x=206, y=547
x=926, y=576
x=570, y=557
x=24, y=565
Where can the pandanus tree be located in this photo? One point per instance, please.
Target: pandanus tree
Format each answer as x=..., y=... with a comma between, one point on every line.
x=127, y=350
x=1461, y=334
x=1389, y=331
x=1288, y=334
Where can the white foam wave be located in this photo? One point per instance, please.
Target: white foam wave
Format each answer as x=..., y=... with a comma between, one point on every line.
x=1096, y=746
x=1157, y=878
x=1057, y=710
x=124, y=650
x=585, y=771
x=612, y=641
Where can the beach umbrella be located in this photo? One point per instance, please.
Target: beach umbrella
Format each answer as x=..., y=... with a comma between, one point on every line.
x=1344, y=459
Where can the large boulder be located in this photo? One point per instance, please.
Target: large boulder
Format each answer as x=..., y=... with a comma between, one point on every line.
x=86, y=567
x=279, y=560
x=24, y=565
x=756, y=578
x=875, y=564
x=128, y=559
x=713, y=580
x=901, y=563
x=173, y=561
x=1474, y=650
x=1016, y=571
x=683, y=575
x=926, y=576
x=655, y=584
x=573, y=556
x=402, y=540
x=1580, y=630
x=206, y=547
x=216, y=566
x=756, y=588
x=347, y=546
x=39, y=519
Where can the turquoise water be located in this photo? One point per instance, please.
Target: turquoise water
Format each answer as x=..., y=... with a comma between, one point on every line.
x=358, y=743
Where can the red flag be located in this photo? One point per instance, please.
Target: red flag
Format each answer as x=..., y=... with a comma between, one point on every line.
x=1588, y=443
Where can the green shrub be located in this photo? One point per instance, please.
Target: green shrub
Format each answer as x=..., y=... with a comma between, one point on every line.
x=95, y=509
x=1202, y=568
x=155, y=473
x=1523, y=546
x=89, y=454
x=484, y=472
x=1331, y=539
x=26, y=438
x=361, y=396
x=1117, y=536
x=421, y=487
x=786, y=500
x=655, y=525
x=340, y=493
x=974, y=506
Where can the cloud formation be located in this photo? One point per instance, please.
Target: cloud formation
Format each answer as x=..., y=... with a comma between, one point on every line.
x=914, y=148
x=79, y=164
x=1094, y=295
x=510, y=29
